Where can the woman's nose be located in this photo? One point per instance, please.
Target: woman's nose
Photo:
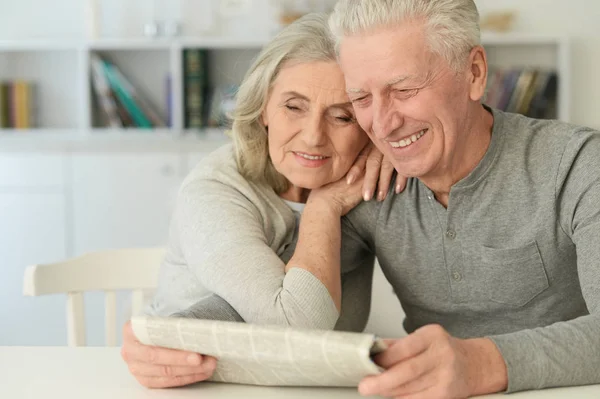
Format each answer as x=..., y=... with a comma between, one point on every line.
x=314, y=132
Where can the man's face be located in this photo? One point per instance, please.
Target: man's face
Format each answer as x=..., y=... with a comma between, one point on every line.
x=410, y=102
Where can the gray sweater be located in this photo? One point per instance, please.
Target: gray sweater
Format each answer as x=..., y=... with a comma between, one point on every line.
x=515, y=256
x=230, y=240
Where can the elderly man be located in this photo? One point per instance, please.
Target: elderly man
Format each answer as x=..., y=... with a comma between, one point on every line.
x=494, y=246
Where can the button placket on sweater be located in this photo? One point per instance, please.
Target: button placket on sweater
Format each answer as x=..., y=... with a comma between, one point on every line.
x=453, y=251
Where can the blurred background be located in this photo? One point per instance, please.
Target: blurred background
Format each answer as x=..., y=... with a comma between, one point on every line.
x=106, y=105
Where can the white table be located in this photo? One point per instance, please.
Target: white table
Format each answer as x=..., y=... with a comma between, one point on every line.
x=90, y=373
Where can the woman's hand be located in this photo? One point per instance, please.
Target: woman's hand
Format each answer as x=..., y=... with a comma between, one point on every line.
x=340, y=196
x=155, y=367
x=378, y=175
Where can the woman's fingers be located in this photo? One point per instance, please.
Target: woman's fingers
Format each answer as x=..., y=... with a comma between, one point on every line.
x=156, y=367
x=140, y=369
x=171, y=382
x=400, y=184
x=372, y=172
x=134, y=351
x=358, y=167
x=385, y=178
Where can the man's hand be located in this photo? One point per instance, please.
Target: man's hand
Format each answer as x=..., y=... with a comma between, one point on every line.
x=378, y=174
x=161, y=367
x=430, y=364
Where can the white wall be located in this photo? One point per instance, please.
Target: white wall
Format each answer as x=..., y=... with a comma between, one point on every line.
x=67, y=18
x=64, y=18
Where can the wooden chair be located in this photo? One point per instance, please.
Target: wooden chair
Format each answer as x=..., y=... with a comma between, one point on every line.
x=108, y=271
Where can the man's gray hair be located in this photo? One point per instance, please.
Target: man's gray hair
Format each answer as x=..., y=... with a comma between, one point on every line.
x=452, y=26
x=306, y=40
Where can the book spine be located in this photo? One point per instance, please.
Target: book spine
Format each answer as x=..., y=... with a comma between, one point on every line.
x=12, y=106
x=102, y=90
x=125, y=97
x=124, y=116
x=3, y=106
x=145, y=107
x=33, y=104
x=169, y=98
x=194, y=77
x=25, y=107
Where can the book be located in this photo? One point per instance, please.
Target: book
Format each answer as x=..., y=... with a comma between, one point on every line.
x=125, y=96
x=148, y=109
x=195, y=78
x=543, y=104
x=17, y=104
x=267, y=355
x=528, y=91
x=103, y=92
x=4, y=106
x=169, y=99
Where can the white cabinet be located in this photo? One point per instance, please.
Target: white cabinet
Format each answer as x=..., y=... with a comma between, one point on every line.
x=32, y=171
x=120, y=200
x=123, y=199
x=32, y=230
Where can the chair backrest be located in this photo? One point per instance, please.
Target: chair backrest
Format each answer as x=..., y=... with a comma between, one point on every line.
x=108, y=271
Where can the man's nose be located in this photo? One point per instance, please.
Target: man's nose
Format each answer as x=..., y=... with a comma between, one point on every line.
x=386, y=118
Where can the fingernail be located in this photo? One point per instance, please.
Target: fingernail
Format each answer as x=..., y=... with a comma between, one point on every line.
x=209, y=365
x=381, y=196
x=398, y=188
x=365, y=388
x=193, y=359
x=367, y=195
x=350, y=179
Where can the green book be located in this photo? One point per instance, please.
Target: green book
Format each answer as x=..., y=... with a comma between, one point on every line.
x=125, y=97
x=4, y=122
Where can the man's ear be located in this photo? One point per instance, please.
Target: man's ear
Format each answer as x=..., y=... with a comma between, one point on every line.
x=478, y=72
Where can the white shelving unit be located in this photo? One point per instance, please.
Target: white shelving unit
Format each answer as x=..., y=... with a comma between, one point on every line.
x=532, y=50
x=61, y=71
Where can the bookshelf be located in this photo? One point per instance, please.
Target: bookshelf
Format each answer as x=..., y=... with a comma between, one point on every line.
x=66, y=103
x=538, y=52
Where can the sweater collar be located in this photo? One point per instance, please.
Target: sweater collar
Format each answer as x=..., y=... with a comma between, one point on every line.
x=483, y=167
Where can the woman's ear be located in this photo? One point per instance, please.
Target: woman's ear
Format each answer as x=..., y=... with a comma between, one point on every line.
x=263, y=119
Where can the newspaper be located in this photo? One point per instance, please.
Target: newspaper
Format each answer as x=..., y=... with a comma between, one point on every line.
x=267, y=355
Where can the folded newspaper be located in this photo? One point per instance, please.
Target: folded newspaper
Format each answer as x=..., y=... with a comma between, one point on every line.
x=267, y=355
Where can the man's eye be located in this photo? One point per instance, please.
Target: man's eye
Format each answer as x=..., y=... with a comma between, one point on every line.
x=407, y=92
x=360, y=100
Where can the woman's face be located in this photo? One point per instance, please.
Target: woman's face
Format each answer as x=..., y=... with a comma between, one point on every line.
x=313, y=135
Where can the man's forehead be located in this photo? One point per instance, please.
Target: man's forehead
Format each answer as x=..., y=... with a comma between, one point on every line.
x=395, y=80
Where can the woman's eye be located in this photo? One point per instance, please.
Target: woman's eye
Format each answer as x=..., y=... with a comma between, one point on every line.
x=342, y=118
x=292, y=107
x=345, y=119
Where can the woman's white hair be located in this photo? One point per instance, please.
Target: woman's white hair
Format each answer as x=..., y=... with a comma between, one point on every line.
x=306, y=40
x=452, y=26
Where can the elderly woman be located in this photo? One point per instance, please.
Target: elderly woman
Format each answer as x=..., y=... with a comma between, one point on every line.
x=238, y=249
